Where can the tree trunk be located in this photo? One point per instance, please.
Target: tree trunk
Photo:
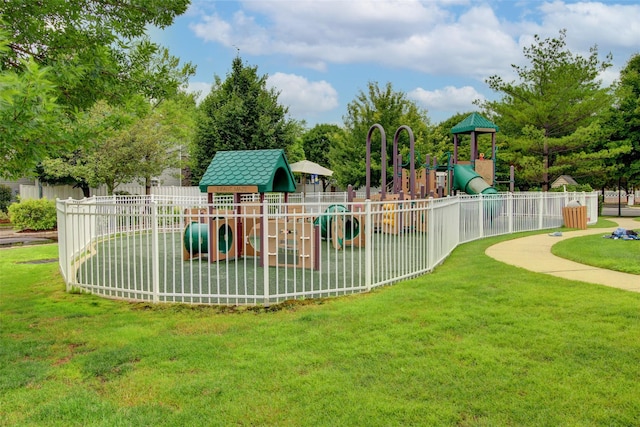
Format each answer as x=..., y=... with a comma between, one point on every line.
x=147, y=186
x=86, y=192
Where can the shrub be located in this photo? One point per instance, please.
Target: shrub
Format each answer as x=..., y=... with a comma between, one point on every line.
x=577, y=188
x=33, y=214
x=5, y=197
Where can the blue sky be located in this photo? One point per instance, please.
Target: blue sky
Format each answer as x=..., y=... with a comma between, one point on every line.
x=320, y=54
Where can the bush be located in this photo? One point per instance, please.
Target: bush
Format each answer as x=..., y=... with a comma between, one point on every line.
x=5, y=197
x=575, y=188
x=33, y=214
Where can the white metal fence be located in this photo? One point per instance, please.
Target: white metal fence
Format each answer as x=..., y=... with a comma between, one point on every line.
x=53, y=192
x=181, y=249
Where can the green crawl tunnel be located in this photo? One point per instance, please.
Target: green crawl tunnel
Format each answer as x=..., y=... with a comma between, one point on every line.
x=467, y=180
x=196, y=238
x=351, y=226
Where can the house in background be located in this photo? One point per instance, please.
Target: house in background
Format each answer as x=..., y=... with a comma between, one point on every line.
x=563, y=180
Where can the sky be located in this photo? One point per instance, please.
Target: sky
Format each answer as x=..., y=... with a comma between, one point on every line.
x=320, y=54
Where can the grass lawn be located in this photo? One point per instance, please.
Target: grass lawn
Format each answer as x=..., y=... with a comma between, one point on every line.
x=476, y=343
x=597, y=251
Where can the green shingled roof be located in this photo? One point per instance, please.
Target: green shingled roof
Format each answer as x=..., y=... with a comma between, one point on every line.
x=266, y=169
x=474, y=123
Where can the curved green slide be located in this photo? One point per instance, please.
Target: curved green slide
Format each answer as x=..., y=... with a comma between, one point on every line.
x=467, y=180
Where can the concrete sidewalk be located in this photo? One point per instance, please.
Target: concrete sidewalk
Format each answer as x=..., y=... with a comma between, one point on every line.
x=10, y=237
x=534, y=253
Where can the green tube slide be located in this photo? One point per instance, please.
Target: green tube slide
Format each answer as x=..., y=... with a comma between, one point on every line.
x=350, y=229
x=467, y=180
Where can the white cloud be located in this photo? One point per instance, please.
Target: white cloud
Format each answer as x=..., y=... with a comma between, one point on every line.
x=428, y=36
x=613, y=24
x=412, y=34
x=439, y=38
x=212, y=28
x=611, y=28
x=449, y=98
x=201, y=87
x=302, y=96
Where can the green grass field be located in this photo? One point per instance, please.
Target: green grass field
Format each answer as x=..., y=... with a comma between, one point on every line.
x=476, y=343
x=618, y=255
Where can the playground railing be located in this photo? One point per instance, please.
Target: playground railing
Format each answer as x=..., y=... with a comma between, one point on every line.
x=182, y=249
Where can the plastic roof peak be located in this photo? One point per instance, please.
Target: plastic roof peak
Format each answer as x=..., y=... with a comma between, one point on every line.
x=268, y=170
x=474, y=123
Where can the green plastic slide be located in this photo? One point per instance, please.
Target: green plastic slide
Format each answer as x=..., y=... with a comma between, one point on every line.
x=467, y=180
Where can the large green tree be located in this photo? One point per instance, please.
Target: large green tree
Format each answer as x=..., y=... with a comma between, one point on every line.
x=317, y=142
x=136, y=141
x=57, y=58
x=557, y=94
x=93, y=47
x=384, y=106
x=440, y=140
x=32, y=125
x=240, y=113
x=623, y=124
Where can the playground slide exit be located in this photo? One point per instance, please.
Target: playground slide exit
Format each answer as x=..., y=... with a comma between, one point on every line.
x=467, y=180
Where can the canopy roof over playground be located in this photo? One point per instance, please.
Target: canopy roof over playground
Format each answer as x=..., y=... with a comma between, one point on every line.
x=474, y=123
x=311, y=168
x=248, y=171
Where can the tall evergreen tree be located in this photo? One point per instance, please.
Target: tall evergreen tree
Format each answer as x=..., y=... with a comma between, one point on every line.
x=556, y=95
x=240, y=114
x=624, y=123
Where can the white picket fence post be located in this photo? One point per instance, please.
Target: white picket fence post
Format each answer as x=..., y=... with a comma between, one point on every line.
x=264, y=248
x=155, y=251
x=368, y=243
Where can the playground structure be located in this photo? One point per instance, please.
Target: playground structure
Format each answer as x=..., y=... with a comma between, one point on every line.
x=222, y=234
x=226, y=234
x=422, y=180
x=255, y=247
x=476, y=176
x=244, y=231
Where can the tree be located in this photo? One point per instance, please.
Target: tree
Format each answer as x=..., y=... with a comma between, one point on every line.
x=391, y=109
x=295, y=150
x=317, y=142
x=58, y=58
x=240, y=114
x=440, y=139
x=558, y=94
x=93, y=47
x=126, y=143
x=623, y=123
x=32, y=125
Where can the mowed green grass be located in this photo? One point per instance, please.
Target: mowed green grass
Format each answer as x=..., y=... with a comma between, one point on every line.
x=476, y=343
x=619, y=255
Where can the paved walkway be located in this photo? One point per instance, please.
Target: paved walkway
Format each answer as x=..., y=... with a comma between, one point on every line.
x=534, y=253
x=10, y=238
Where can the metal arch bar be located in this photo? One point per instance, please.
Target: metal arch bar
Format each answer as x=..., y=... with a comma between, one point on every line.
x=383, y=160
x=412, y=166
